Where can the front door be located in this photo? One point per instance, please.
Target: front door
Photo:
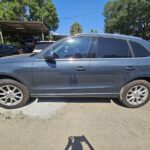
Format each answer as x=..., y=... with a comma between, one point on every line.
x=67, y=74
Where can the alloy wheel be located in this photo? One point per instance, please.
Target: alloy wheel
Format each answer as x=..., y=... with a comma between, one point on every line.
x=10, y=95
x=137, y=95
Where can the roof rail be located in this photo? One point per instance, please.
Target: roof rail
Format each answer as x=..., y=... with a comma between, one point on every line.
x=110, y=34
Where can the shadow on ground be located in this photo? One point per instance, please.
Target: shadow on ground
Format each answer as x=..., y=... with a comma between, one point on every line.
x=76, y=143
x=76, y=100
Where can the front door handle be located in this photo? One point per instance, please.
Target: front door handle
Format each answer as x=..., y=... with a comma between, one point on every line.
x=130, y=68
x=80, y=68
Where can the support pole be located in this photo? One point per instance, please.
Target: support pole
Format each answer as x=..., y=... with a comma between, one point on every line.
x=42, y=29
x=1, y=36
x=42, y=36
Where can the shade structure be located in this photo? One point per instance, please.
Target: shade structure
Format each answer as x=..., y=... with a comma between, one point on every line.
x=23, y=27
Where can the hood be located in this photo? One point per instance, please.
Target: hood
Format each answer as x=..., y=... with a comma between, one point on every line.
x=16, y=58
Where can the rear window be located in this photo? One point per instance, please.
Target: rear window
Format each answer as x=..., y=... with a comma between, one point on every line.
x=139, y=50
x=1, y=47
x=9, y=47
x=42, y=46
x=112, y=48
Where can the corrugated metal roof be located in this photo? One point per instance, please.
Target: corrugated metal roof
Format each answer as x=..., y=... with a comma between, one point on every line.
x=23, y=27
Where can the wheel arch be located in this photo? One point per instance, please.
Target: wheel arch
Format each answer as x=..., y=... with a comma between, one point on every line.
x=7, y=76
x=138, y=78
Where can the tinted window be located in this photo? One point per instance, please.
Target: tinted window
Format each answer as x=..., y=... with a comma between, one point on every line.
x=1, y=47
x=42, y=46
x=72, y=48
x=139, y=50
x=9, y=47
x=112, y=48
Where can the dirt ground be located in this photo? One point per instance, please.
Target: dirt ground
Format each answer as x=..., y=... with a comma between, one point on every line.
x=75, y=124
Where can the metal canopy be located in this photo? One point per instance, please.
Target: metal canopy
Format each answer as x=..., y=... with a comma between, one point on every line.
x=23, y=27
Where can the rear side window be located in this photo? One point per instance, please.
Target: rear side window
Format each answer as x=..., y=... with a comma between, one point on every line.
x=112, y=48
x=139, y=50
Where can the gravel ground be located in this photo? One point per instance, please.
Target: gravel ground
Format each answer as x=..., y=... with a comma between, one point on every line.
x=77, y=124
x=36, y=109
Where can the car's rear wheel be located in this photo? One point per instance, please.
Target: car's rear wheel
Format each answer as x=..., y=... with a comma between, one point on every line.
x=13, y=94
x=135, y=94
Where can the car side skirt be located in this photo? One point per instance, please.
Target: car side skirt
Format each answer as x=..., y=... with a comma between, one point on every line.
x=109, y=95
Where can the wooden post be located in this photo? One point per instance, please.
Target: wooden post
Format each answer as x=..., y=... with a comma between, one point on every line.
x=1, y=36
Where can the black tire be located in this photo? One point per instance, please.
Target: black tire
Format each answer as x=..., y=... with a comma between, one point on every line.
x=126, y=88
x=21, y=87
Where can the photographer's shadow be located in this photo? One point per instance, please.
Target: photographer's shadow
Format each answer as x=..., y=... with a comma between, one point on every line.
x=75, y=143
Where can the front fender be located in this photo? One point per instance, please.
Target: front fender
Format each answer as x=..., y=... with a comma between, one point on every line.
x=21, y=72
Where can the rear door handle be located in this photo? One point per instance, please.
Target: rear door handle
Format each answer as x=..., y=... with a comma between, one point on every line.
x=80, y=68
x=130, y=68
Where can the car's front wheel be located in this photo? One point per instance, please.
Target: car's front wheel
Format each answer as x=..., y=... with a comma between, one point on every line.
x=135, y=94
x=13, y=94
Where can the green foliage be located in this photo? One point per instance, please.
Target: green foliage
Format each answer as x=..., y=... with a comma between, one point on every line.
x=40, y=10
x=131, y=17
x=10, y=10
x=75, y=28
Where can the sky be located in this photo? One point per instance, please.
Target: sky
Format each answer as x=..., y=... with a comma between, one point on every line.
x=89, y=13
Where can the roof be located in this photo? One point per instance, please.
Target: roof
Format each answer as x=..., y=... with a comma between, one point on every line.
x=145, y=43
x=23, y=27
x=120, y=36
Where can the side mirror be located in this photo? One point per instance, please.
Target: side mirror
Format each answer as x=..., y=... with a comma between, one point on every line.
x=50, y=57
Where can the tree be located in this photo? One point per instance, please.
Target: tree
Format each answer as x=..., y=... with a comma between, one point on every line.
x=10, y=10
x=131, y=17
x=75, y=28
x=38, y=10
x=44, y=10
x=93, y=31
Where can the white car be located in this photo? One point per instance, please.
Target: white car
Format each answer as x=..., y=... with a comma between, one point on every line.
x=41, y=45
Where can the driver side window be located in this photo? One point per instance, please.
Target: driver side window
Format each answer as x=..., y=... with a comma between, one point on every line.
x=72, y=48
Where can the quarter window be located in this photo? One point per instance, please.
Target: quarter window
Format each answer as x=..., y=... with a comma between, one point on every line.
x=112, y=48
x=73, y=48
x=139, y=50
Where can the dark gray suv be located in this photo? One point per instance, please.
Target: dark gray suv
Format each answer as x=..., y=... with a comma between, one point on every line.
x=86, y=65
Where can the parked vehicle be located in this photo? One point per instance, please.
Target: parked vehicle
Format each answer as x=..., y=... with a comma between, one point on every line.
x=86, y=65
x=6, y=50
x=42, y=45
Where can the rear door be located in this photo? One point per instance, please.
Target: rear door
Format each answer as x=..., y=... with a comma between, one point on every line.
x=112, y=66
